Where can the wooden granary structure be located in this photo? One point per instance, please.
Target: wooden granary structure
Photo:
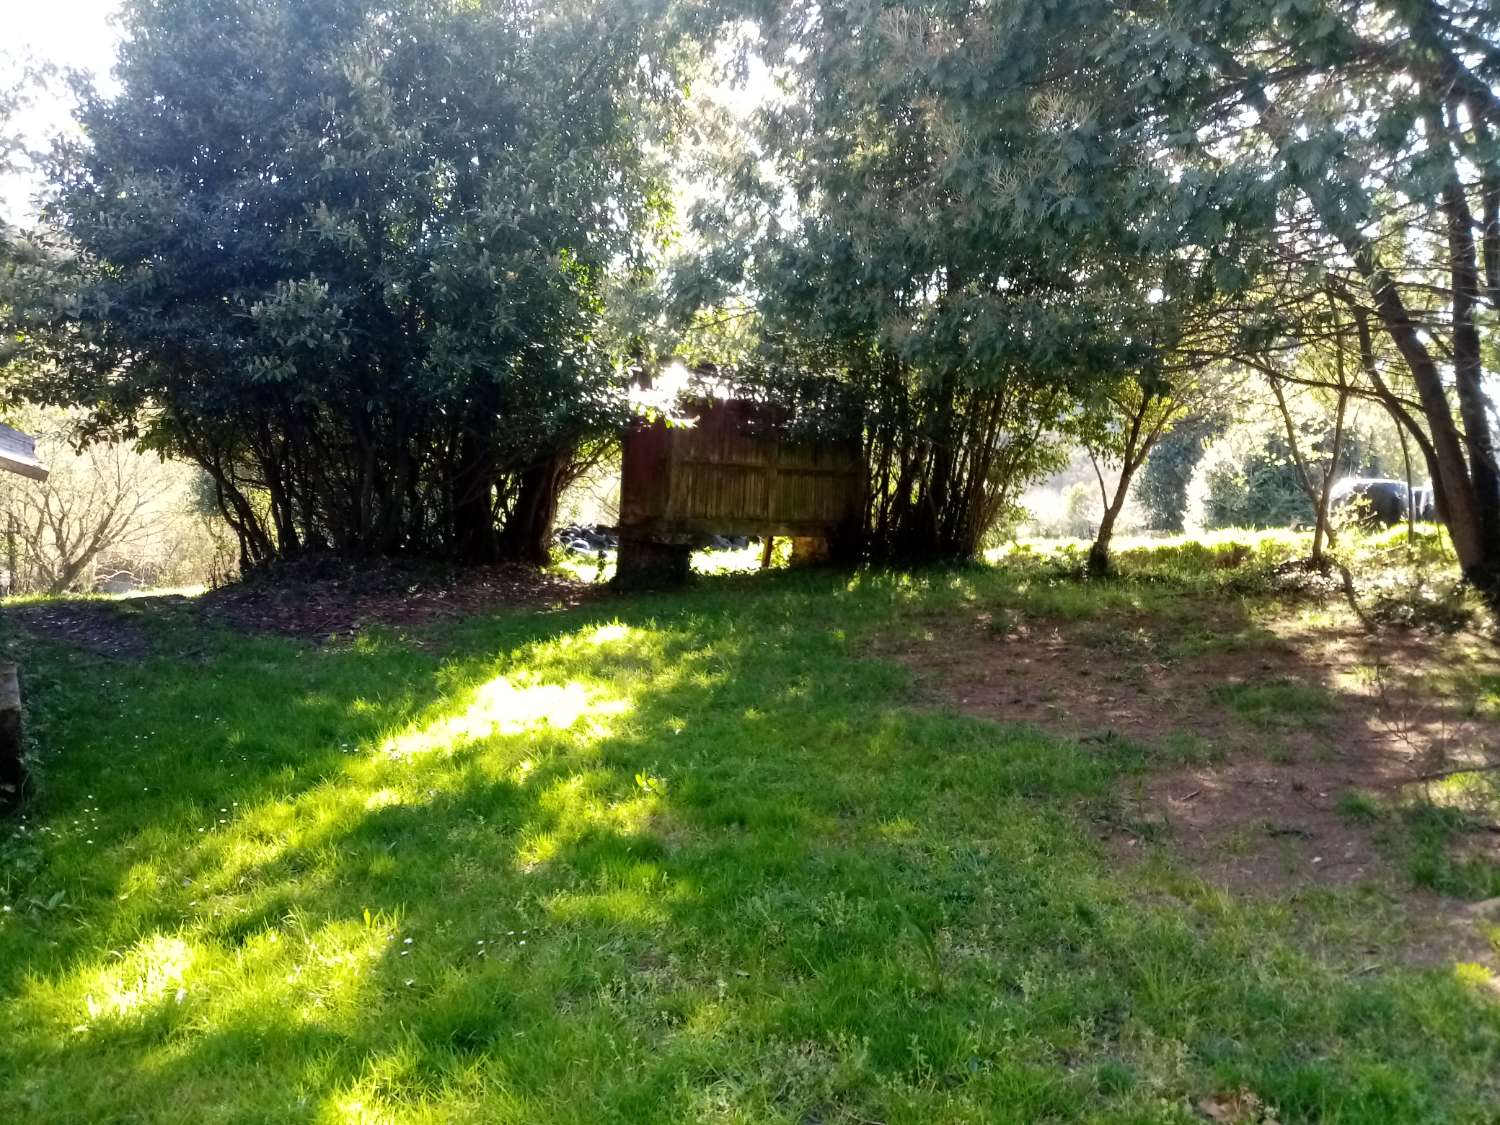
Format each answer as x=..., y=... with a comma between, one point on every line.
x=728, y=467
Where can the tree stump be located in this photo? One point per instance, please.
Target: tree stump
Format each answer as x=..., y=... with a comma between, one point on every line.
x=644, y=563
x=12, y=766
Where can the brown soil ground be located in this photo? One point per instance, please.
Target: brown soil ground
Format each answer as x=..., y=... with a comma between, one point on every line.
x=1258, y=808
x=322, y=600
x=338, y=599
x=99, y=628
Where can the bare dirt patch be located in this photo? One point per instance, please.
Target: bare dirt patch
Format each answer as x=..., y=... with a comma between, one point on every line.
x=316, y=599
x=1264, y=733
x=108, y=629
x=329, y=599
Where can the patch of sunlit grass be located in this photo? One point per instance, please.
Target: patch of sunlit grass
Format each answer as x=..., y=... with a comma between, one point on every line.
x=152, y=971
x=1479, y=978
x=506, y=707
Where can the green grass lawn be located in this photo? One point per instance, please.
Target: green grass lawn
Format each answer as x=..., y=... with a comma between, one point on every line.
x=674, y=858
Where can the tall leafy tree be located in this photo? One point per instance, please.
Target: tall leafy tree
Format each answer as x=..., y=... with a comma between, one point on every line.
x=1379, y=123
x=355, y=257
x=1162, y=489
x=1120, y=434
x=970, y=229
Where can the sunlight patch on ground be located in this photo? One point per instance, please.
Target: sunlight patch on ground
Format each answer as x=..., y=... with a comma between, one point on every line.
x=160, y=592
x=1255, y=539
x=739, y=560
x=354, y=1111
x=336, y=960
x=506, y=705
x=313, y=974
x=154, y=970
x=608, y=634
x=1479, y=978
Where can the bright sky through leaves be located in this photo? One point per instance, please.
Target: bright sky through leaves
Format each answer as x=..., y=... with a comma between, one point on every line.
x=76, y=34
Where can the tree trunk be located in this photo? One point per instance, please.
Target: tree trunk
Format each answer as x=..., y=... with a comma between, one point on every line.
x=1489, y=193
x=474, y=537
x=1411, y=507
x=644, y=563
x=1463, y=504
x=1317, y=490
x=13, y=776
x=1468, y=371
x=12, y=559
x=528, y=528
x=1405, y=423
x=1322, y=531
x=1139, y=441
x=1100, y=564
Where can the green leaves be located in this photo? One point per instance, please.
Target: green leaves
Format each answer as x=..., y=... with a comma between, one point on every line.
x=344, y=252
x=988, y=201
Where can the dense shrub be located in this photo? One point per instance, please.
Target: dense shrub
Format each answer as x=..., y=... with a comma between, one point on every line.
x=354, y=259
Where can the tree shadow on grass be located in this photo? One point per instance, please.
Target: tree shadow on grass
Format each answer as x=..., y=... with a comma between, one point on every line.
x=660, y=859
